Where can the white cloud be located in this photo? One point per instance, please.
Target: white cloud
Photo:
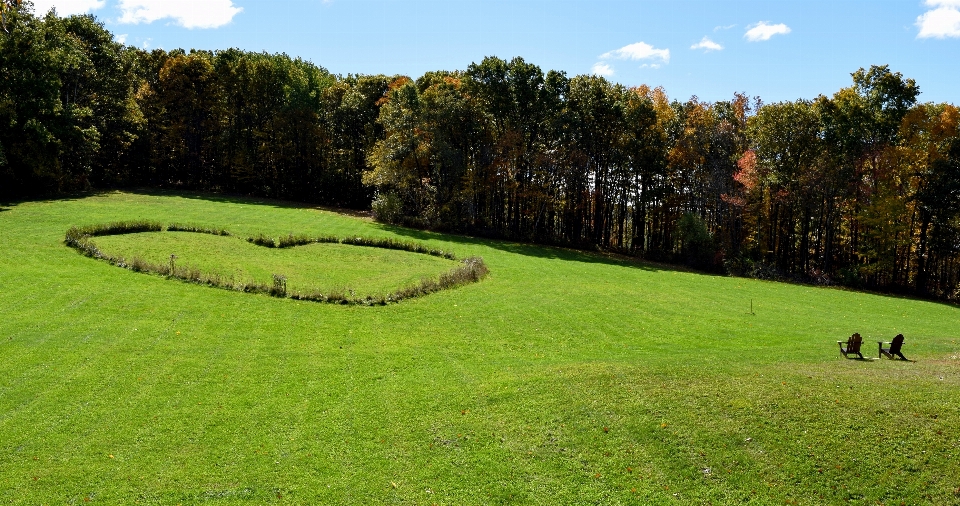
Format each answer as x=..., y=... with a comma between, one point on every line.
x=602, y=69
x=707, y=45
x=718, y=28
x=940, y=22
x=763, y=31
x=186, y=13
x=122, y=38
x=650, y=66
x=67, y=7
x=638, y=51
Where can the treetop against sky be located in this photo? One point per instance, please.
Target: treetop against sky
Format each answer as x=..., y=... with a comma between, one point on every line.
x=778, y=50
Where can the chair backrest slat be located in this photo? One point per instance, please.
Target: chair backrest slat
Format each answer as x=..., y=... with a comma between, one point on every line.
x=853, y=345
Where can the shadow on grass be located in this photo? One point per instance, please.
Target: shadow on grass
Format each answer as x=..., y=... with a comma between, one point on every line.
x=889, y=295
x=864, y=359
x=227, y=198
x=8, y=205
x=189, y=194
x=535, y=250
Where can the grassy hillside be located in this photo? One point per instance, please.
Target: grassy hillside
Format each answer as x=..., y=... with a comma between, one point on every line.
x=563, y=377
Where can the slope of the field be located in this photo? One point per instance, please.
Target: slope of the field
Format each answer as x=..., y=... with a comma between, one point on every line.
x=563, y=378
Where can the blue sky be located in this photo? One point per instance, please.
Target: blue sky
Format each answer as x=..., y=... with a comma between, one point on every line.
x=776, y=49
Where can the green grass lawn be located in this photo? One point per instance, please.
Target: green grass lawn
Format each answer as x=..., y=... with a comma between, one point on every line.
x=562, y=378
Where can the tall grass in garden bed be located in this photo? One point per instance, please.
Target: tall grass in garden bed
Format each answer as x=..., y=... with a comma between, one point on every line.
x=76, y=234
x=387, y=243
x=291, y=240
x=179, y=227
x=470, y=270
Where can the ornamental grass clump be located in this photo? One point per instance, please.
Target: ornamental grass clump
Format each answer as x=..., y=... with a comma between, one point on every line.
x=75, y=236
x=138, y=264
x=291, y=240
x=122, y=227
x=334, y=296
x=338, y=296
x=83, y=244
x=376, y=242
x=470, y=270
x=327, y=239
x=253, y=287
x=189, y=273
x=180, y=227
x=262, y=240
x=279, y=288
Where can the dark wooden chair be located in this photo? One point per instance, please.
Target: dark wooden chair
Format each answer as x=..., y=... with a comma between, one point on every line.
x=852, y=347
x=894, y=348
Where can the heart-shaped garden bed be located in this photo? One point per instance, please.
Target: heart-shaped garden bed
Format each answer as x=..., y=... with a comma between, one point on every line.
x=344, y=270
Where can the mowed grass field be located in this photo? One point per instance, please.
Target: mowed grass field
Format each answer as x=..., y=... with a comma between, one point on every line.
x=562, y=378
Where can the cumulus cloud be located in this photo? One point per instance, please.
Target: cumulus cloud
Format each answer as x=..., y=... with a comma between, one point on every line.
x=763, y=31
x=186, y=13
x=942, y=21
x=638, y=51
x=122, y=38
x=707, y=45
x=67, y=7
x=602, y=69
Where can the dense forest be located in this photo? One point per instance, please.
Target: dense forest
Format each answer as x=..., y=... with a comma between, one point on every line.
x=861, y=188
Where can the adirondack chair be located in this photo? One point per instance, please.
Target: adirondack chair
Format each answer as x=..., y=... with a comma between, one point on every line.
x=852, y=347
x=894, y=348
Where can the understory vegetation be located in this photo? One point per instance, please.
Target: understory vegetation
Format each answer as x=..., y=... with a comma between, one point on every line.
x=470, y=270
x=565, y=377
x=860, y=188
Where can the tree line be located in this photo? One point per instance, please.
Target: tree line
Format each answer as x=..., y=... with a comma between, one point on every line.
x=79, y=110
x=861, y=188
